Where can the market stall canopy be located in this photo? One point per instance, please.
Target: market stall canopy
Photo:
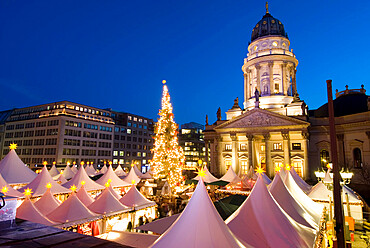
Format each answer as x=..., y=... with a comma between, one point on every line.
x=209, y=178
x=321, y=193
x=261, y=222
x=299, y=181
x=131, y=178
x=107, y=203
x=313, y=208
x=287, y=202
x=74, y=169
x=60, y=179
x=159, y=226
x=27, y=211
x=90, y=171
x=54, y=171
x=8, y=190
x=120, y=172
x=103, y=170
x=82, y=176
x=230, y=176
x=130, y=239
x=148, y=174
x=38, y=185
x=137, y=171
x=133, y=198
x=266, y=179
x=68, y=173
x=14, y=171
x=84, y=197
x=47, y=203
x=112, y=178
x=199, y=225
x=71, y=210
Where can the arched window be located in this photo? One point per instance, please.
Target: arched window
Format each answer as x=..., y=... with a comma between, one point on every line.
x=324, y=158
x=357, y=158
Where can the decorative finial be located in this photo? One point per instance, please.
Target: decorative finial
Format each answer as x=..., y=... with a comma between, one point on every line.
x=201, y=173
x=260, y=170
x=83, y=183
x=4, y=190
x=28, y=192
x=163, y=81
x=13, y=146
x=73, y=188
x=48, y=185
x=267, y=7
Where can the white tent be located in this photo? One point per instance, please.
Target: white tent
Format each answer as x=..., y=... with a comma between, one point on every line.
x=266, y=179
x=313, y=208
x=199, y=225
x=60, y=179
x=7, y=189
x=209, y=178
x=84, y=197
x=251, y=174
x=230, y=176
x=286, y=201
x=112, y=178
x=74, y=169
x=38, y=185
x=90, y=171
x=70, y=210
x=299, y=181
x=107, y=203
x=137, y=171
x=47, y=203
x=321, y=194
x=14, y=171
x=261, y=222
x=114, y=193
x=148, y=174
x=133, y=198
x=54, y=171
x=131, y=177
x=119, y=171
x=82, y=176
x=282, y=173
x=160, y=225
x=103, y=170
x=27, y=211
x=68, y=173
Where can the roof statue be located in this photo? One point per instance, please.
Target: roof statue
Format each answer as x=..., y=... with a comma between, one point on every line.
x=107, y=203
x=84, y=197
x=209, y=178
x=113, y=179
x=230, y=176
x=8, y=190
x=219, y=114
x=206, y=119
x=14, y=171
x=132, y=176
x=286, y=201
x=68, y=173
x=299, y=181
x=82, y=176
x=119, y=171
x=261, y=222
x=207, y=229
x=54, y=171
x=70, y=210
x=133, y=198
x=27, y=211
x=47, y=203
x=38, y=184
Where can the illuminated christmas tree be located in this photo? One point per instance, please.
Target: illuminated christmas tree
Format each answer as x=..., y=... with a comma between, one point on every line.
x=168, y=156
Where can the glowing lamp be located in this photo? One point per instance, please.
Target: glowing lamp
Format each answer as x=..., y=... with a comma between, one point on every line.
x=45, y=163
x=287, y=167
x=110, y=162
x=68, y=163
x=133, y=181
x=54, y=163
x=107, y=184
x=82, y=163
x=83, y=182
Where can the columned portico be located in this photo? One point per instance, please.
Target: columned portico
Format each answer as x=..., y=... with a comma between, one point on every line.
x=250, y=150
x=269, y=166
x=286, y=147
x=305, y=147
x=235, y=160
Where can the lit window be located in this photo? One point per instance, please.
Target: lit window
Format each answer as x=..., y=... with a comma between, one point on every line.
x=135, y=119
x=121, y=161
x=187, y=148
x=255, y=48
x=129, y=117
x=243, y=147
x=144, y=154
x=228, y=147
x=227, y=164
x=185, y=131
x=128, y=131
x=115, y=153
x=244, y=166
x=274, y=44
x=296, y=146
x=277, y=88
x=121, y=153
x=115, y=161
x=324, y=158
x=277, y=146
x=263, y=148
x=139, y=154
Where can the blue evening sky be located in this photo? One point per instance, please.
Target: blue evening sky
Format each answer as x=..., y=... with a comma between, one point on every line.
x=116, y=53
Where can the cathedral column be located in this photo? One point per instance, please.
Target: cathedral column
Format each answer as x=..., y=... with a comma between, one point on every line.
x=305, y=172
x=258, y=67
x=294, y=82
x=246, y=88
x=341, y=154
x=235, y=161
x=207, y=145
x=269, y=167
x=286, y=147
x=271, y=76
x=220, y=147
x=283, y=78
x=250, y=150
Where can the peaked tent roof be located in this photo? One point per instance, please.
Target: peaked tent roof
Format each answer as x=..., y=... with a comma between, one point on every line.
x=160, y=225
x=115, y=181
x=60, y=179
x=133, y=198
x=299, y=181
x=282, y=174
x=70, y=210
x=313, y=208
x=207, y=229
x=90, y=171
x=54, y=171
x=10, y=190
x=209, y=178
x=286, y=201
x=74, y=169
x=27, y=211
x=148, y=174
x=38, y=185
x=14, y=171
x=131, y=176
x=321, y=192
x=137, y=171
x=250, y=174
x=114, y=193
x=119, y=171
x=261, y=222
x=266, y=179
x=47, y=203
x=107, y=203
x=230, y=176
x=82, y=176
x=84, y=197
x=103, y=170
x=68, y=173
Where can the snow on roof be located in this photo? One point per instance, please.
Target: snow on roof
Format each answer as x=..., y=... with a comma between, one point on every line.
x=261, y=222
x=14, y=171
x=84, y=197
x=68, y=173
x=299, y=181
x=199, y=225
x=27, y=211
x=70, y=210
x=119, y=171
x=54, y=171
x=8, y=190
x=112, y=178
x=38, y=185
x=287, y=202
x=82, y=176
x=107, y=203
x=133, y=198
x=131, y=177
x=209, y=178
x=230, y=176
x=47, y=203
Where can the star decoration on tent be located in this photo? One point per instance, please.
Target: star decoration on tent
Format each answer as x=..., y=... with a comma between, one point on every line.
x=110, y=162
x=277, y=168
x=82, y=182
x=201, y=173
x=45, y=163
x=13, y=146
x=28, y=192
x=48, y=185
x=260, y=170
x=107, y=184
x=61, y=172
x=54, y=163
x=4, y=190
x=82, y=163
x=287, y=167
x=133, y=181
x=73, y=188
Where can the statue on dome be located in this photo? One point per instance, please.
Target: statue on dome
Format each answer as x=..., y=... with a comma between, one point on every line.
x=257, y=96
x=219, y=114
x=207, y=120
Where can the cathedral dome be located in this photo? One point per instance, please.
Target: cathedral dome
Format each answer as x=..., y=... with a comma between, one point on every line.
x=268, y=25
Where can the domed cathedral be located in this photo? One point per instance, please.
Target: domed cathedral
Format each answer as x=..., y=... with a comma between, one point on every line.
x=271, y=129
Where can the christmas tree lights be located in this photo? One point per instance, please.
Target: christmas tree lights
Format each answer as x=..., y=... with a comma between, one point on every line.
x=168, y=157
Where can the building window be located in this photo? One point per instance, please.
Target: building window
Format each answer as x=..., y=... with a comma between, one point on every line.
x=227, y=164
x=244, y=166
x=243, y=147
x=228, y=147
x=277, y=89
x=357, y=158
x=296, y=146
x=263, y=148
x=298, y=167
x=277, y=146
x=324, y=158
